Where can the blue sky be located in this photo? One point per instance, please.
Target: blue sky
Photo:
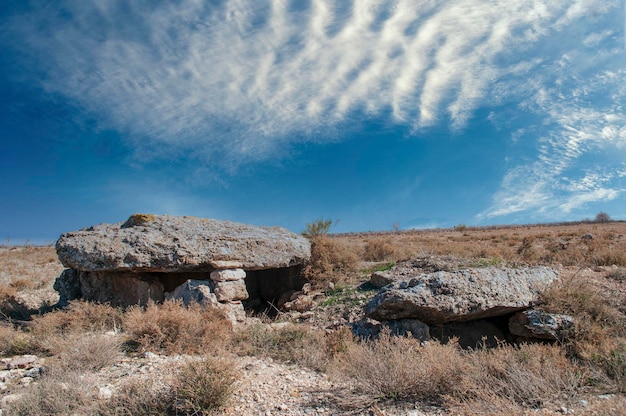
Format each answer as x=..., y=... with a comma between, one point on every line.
x=417, y=113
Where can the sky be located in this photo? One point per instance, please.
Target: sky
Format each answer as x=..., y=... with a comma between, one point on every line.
x=374, y=114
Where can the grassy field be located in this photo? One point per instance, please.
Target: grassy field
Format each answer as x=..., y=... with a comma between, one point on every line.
x=585, y=374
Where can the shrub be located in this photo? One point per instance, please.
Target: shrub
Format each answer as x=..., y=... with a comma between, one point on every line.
x=330, y=261
x=85, y=352
x=602, y=217
x=176, y=329
x=78, y=317
x=400, y=368
x=378, y=250
x=317, y=228
x=204, y=385
x=530, y=375
x=140, y=397
x=59, y=393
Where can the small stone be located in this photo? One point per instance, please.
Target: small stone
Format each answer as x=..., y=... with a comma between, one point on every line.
x=583, y=403
x=3, y=386
x=104, y=393
x=228, y=275
x=564, y=410
x=23, y=361
x=34, y=372
x=25, y=381
x=150, y=355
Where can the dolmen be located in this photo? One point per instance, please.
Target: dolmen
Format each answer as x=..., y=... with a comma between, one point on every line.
x=149, y=257
x=476, y=305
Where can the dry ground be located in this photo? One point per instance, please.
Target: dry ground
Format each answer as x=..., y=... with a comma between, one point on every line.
x=98, y=360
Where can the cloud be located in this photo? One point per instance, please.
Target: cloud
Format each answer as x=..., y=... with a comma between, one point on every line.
x=580, y=158
x=236, y=81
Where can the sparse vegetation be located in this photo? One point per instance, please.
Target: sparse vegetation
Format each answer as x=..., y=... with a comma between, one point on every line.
x=82, y=341
x=317, y=228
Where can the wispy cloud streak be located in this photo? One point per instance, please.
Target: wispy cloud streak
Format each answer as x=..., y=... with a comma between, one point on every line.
x=243, y=79
x=234, y=81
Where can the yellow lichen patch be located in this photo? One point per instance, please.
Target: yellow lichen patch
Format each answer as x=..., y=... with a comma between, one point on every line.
x=139, y=219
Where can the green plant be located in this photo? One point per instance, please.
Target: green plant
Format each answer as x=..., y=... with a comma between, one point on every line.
x=317, y=228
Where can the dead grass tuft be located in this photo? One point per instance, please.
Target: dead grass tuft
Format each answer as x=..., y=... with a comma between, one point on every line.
x=140, y=397
x=176, y=329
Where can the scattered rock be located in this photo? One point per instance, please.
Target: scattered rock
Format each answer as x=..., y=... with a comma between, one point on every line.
x=538, y=324
x=198, y=291
x=463, y=295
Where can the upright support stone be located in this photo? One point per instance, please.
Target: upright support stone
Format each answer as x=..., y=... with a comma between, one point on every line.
x=229, y=285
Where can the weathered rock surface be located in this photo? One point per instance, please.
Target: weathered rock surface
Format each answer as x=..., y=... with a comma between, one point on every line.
x=167, y=243
x=463, y=295
x=538, y=324
x=198, y=291
x=148, y=256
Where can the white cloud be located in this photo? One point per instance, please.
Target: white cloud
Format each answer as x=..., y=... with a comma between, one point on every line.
x=240, y=81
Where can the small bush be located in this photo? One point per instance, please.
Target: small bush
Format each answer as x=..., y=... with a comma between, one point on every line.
x=60, y=393
x=14, y=341
x=205, y=385
x=78, y=317
x=85, y=352
x=530, y=375
x=176, y=329
x=140, y=397
x=378, y=250
x=317, y=228
x=400, y=368
x=330, y=261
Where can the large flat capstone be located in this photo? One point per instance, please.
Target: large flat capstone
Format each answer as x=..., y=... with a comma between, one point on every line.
x=463, y=295
x=171, y=244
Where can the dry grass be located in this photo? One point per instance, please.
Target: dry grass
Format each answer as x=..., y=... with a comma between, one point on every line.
x=331, y=261
x=85, y=352
x=28, y=267
x=291, y=343
x=59, y=393
x=537, y=244
x=139, y=397
x=204, y=386
x=176, y=329
x=399, y=368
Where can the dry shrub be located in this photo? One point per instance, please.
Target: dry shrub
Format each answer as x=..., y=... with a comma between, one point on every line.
x=177, y=329
x=78, y=317
x=400, y=368
x=14, y=341
x=85, y=352
x=618, y=274
x=59, y=393
x=205, y=385
x=200, y=387
x=530, y=375
x=140, y=397
x=378, y=249
x=291, y=343
x=330, y=260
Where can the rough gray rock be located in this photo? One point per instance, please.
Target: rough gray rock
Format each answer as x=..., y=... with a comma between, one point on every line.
x=538, y=324
x=198, y=291
x=463, y=295
x=164, y=243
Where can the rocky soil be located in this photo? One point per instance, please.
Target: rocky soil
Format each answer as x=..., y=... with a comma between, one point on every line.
x=265, y=387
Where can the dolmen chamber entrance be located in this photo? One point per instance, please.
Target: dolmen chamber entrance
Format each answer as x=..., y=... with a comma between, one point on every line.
x=149, y=257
